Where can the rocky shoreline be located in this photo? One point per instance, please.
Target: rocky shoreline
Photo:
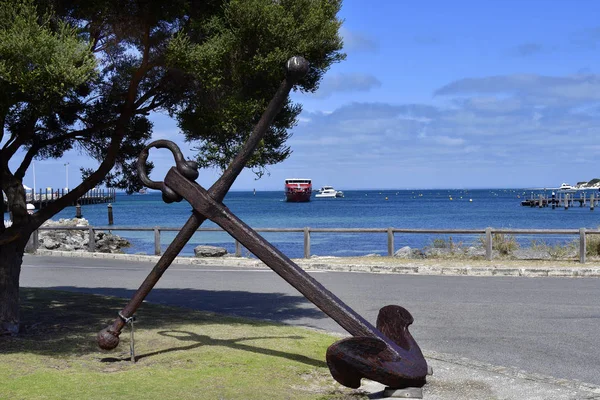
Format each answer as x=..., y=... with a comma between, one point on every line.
x=78, y=240
x=106, y=242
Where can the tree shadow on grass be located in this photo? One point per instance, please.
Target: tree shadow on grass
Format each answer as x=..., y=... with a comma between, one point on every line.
x=63, y=322
x=204, y=340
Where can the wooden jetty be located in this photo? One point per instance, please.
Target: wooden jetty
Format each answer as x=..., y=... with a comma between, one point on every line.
x=49, y=195
x=563, y=200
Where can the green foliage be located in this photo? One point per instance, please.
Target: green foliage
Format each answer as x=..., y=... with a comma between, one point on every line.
x=239, y=63
x=211, y=65
x=39, y=62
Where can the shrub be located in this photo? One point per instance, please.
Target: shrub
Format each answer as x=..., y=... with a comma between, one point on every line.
x=503, y=243
x=441, y=243
x=556, y=251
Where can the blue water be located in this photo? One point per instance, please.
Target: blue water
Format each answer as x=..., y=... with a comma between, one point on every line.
x=358, y=209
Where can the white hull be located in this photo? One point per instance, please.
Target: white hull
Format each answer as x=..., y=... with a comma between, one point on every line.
x=326, y=195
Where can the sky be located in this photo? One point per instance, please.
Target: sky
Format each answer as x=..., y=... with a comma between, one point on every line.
x=436, y=94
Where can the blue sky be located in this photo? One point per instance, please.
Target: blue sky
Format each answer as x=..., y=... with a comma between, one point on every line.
x=438, y=94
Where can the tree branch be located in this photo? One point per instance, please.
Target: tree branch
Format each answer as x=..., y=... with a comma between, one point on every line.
x=127, y=111
x=19, y=140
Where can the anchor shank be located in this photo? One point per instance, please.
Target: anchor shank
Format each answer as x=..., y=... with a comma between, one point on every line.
x=330, y=304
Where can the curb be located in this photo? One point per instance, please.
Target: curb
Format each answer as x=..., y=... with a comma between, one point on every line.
x=513, y=372
x=321, y=265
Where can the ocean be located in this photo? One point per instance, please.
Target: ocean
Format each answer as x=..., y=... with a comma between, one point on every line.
x=442, y=209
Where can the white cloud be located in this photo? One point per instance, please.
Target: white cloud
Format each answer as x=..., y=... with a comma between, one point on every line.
x=357, y=41
x=354, y=82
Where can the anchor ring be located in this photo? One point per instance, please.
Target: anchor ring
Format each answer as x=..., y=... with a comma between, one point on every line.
x=187, y=168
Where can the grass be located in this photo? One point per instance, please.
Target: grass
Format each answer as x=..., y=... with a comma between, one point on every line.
x=181, y=354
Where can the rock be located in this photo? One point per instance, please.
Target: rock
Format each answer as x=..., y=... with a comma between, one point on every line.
x=372, y=255
x=436, y=252
x=77, y=240
x=417, y=253
x=404, y=252
x=531, y=254
x=475, y=252
x=209, y=251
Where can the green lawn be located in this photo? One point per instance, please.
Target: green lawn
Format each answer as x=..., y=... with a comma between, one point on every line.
x=181, y=354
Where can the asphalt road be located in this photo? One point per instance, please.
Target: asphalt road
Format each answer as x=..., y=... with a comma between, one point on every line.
x=549, y=326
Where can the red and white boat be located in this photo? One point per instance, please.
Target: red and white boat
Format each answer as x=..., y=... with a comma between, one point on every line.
x=298, y=189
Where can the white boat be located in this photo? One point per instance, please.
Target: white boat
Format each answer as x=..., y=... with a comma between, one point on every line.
x=566, y=186
x=329, y=192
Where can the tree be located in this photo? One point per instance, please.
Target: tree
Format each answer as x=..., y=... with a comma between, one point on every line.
x=86, y=75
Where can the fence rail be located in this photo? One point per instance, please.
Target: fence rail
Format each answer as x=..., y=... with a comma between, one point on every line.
x=488, y=235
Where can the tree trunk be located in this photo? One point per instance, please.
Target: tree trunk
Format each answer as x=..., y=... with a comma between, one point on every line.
x=11, y=258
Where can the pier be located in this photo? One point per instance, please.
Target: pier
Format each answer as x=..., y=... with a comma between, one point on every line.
x=563, y=200
x=47, y=196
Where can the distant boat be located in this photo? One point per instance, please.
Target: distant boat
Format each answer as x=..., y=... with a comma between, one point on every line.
x=566, y=186
x=298, y=190
x=143, y=191
x=329, y=192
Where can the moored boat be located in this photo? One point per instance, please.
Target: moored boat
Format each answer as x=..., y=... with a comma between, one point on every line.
x=298, y=190
x=329, y=192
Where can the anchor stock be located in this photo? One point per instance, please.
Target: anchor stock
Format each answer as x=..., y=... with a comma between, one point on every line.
x=387, y=354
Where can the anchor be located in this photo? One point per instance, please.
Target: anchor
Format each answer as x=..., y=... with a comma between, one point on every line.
x=386, y=353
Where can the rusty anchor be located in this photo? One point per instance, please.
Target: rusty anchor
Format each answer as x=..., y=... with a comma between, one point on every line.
x=387, y=353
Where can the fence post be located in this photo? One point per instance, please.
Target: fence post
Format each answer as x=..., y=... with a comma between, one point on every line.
x=306, y=242
x=390, y=242
x=36, y=240
x=582, y=245
x=238, y=248
x=488, y=244
x=78, y=211
x=91, y=240
x=156, y=241
x=110, y=214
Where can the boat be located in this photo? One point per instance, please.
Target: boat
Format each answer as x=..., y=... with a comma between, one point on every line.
x=566, y=186
x=298, y=190
x=329, y=192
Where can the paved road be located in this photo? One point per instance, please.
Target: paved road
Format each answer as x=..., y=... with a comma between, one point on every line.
x=549, y=326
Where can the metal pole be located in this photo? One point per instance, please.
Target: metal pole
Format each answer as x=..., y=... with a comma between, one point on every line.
x=390, y=242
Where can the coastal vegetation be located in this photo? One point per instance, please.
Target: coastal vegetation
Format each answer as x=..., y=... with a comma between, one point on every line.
x=85, y=76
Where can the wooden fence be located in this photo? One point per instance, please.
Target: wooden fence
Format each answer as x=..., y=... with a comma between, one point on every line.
x=390, y=233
